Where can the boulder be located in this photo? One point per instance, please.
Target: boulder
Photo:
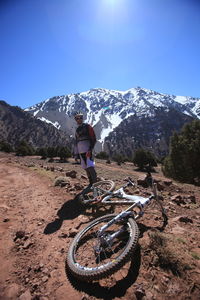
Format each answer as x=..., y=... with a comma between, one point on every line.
x=71, y=174
x=142, y=181
x=72, y=232
x=84, y=177
x=192, y=199
x=178, y=199
x=20, y=234
x=167, y=182
x=185, y=219
x=78, y=186
x=160, y=186
x=27, y=244
x=26, y=295
x=11, y=292
x=61, y=181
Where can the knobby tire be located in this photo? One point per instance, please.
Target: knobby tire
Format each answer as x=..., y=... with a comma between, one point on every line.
x=85, y=273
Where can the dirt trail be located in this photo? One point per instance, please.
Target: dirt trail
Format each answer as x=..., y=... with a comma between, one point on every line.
x=35, y=262
x=39, y=220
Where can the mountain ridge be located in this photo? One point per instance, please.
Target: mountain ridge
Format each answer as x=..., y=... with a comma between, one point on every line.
x=17, y=125
x=107, y=109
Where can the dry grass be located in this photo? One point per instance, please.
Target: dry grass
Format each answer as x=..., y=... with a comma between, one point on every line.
x=170, y=256
x=43, y=172
x=195, y=255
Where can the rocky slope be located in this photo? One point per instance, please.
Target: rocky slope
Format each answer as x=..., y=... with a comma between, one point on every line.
x=151, y=133
x=110, y=111
x=16, y=125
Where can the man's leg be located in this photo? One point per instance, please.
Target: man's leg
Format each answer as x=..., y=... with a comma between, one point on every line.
x=84, y=165
x=88, y=165
x=83, y=160
x=92, y=175
x=88, y=175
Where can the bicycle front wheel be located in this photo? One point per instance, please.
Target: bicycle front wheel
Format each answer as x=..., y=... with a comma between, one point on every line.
x=100, y=188
x=91, y=259
x=104, y=186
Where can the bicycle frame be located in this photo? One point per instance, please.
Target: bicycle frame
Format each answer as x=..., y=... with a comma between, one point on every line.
x=137, y=202
x=124, y=198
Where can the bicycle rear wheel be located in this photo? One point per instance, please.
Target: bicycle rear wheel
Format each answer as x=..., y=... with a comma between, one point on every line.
x=91, y=259
x=100, y=188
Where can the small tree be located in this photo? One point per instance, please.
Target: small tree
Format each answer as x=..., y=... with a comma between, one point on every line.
x=24, y=149
x=42, y=152
x=144, y=160
x=102, y=155
x=6, y=147
x=119, y=159
x=183, y=161
x=63, y=153
x=52, y=152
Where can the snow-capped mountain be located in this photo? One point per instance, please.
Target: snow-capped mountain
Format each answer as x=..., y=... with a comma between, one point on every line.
x=107, y=109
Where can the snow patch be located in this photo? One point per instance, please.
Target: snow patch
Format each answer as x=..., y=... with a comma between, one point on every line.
x=181, y=99
x=114, y=121
x=36, y=112
x=55, y=124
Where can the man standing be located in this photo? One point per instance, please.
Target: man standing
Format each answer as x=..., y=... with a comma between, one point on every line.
x=85, y=141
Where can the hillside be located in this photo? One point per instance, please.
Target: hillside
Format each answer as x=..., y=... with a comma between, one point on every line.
x=39, y=220
x=149, y=132
x=17, y=125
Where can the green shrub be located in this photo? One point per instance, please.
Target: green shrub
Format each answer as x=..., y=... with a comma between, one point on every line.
x=24, y=149
x=6, y=147
x=119, y=158
x=63, y=153
x=183, y=161
x=51, y=152
x=102, y=155
x=144, y=159
x=42, y=152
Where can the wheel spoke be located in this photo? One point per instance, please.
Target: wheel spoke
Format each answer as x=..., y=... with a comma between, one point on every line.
x=107, y=252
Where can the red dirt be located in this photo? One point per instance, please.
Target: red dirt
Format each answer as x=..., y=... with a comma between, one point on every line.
x=38, y=221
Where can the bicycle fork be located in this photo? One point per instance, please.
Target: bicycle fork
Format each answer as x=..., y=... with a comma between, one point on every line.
x=106, y=240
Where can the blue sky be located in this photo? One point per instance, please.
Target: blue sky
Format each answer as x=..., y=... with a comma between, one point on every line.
x=56, y=47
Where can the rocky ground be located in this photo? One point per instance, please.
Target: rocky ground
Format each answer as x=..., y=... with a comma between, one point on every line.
x=39, y=217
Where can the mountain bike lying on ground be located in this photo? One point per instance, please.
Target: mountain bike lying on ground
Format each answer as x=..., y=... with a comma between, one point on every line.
x=108, y=242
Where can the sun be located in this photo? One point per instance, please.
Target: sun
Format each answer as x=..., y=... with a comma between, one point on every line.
x=112, y=2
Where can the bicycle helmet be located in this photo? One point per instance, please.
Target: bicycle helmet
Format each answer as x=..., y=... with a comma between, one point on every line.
x=78, y=114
